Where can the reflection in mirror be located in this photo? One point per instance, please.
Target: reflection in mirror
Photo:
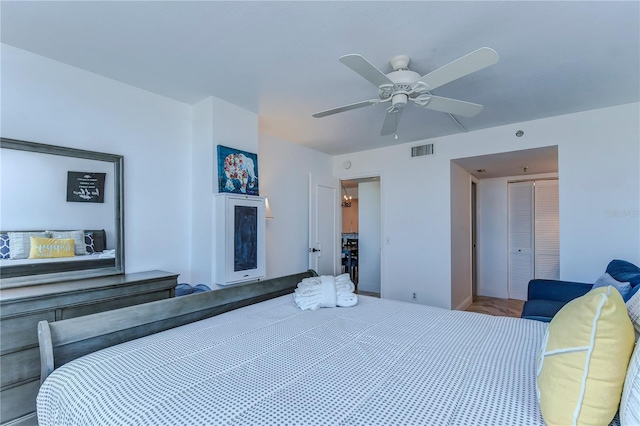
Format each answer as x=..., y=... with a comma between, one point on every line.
x=61, y=213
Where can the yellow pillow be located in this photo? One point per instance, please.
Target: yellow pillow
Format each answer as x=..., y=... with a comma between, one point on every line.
x=583, y=361
x=51, y=247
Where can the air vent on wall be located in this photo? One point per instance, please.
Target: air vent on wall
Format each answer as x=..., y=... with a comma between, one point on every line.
x=419, y=151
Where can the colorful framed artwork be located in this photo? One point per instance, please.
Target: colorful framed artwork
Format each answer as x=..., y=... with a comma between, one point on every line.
x=237, y=171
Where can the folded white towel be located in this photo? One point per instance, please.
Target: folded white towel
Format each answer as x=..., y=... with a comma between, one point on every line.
x=318, y=290
x=347, y=300
x=309, y=282
x=307, y=303
x=343, y=283
x=328, y=284
x=325, y=292
x=315, y=302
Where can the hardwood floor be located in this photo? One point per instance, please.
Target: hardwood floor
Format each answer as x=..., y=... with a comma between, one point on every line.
x=484, y=305
x=498, y=307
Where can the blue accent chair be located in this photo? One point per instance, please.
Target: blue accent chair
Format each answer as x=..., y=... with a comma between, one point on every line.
x=547, y=297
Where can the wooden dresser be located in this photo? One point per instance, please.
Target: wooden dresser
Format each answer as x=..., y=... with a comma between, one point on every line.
x=22, y=308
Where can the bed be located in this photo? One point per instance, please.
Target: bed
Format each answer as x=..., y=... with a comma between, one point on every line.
x=95, y=240
x=380, y=362
x=224, y=359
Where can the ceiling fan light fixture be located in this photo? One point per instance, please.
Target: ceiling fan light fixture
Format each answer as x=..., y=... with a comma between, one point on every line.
x=385, y=91
x=399, y=100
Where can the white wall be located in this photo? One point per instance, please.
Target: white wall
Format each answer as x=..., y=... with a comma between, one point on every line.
x=492, y=242
x=170, y=168
x=202, y=190
x=48, y=102
x=369, y=237
x=461, y=290
x=215, y=122
x=34, y=194
x=598, y=161
x=599, y=188
x=284, y=179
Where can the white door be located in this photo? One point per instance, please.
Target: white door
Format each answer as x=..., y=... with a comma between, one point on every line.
x=520, y=238
x=547, y=230
x=323, y=224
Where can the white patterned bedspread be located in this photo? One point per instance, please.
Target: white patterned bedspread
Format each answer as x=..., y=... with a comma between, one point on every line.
x=381, y=362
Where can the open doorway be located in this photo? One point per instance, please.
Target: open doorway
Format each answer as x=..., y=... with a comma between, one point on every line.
x=361, y=233
x=481, y=220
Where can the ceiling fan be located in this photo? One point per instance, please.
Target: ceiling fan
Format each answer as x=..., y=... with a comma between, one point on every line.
x=403, y=85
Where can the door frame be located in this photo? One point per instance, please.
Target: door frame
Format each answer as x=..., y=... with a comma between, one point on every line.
x=473, y=201
x=383, y=254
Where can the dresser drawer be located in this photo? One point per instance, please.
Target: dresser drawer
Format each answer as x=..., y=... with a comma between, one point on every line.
x=21, y=331
x=20, y=366
x=108, y=305
x=19, y=400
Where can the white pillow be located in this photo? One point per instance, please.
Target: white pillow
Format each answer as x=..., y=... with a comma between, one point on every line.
x=20, y=243
x=608, y=280
x=630, y=402
x=80, y=248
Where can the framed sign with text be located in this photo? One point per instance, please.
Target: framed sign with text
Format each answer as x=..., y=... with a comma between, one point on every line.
x=85, y=187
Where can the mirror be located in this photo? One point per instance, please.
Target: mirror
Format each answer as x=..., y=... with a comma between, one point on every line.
x=57, y=192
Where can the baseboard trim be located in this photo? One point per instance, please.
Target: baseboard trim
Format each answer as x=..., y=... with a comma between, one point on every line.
x=465, y=304
x=496, y=294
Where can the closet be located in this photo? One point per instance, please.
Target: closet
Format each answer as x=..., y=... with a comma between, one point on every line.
x=534, y=234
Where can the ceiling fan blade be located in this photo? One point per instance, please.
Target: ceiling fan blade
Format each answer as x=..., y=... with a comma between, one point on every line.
x=474, y=61
x=390, y=124
x=363, y=67
x=453, y=106
x=345, y=108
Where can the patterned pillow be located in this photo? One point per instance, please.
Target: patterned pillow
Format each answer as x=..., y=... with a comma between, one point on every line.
x=630, y=402
x=21, y=243
x=633, y=309
x=89, y=242
x=4, y=246
x=80, y=247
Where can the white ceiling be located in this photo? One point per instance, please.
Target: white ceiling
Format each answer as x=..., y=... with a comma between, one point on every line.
x=280, y=59
x=523, y=163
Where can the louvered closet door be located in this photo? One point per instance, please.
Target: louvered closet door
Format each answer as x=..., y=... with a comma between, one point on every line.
x=520, y=238
x=547, y=230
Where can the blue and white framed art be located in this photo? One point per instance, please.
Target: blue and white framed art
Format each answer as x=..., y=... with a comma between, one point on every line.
x=237, y=171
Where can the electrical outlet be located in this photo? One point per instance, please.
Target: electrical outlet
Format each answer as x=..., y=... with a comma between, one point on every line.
x=414, y=296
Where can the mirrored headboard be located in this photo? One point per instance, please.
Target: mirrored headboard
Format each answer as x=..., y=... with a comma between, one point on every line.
x=58, y=191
